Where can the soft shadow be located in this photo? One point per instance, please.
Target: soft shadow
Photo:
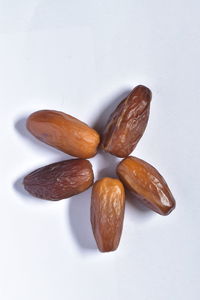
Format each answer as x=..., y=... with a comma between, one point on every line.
x=108, y=164
x=79, y=216
x=136, y=202
x=20, y=126
x=108, y=109
x=136, y=209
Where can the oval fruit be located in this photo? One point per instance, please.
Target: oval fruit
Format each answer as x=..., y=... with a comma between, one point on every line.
x=107, y=213
x=146, y=182
x=127, y=123
x=64, y=132
x=60, y=180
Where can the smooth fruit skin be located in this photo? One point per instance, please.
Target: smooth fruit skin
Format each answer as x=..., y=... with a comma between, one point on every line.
x=107, y=213
x=146, y=182
x=127, y=123
x=60, y=180
x=64, y=132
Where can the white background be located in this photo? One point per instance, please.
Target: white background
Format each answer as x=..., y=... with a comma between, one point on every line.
x=83, y=57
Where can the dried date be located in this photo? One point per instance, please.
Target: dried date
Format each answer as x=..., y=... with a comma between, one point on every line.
x=64, y=132
x=107, y=213
x=127, y=123
x=60, y=180
x=143, y=180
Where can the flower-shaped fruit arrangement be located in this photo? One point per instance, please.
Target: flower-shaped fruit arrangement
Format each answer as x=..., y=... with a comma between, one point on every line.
x=121, y=134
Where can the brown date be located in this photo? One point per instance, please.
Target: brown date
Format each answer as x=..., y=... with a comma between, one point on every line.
x=107, y=213
x=60, y=180
x=64, y=132
x=127, y=123
x=143, y=180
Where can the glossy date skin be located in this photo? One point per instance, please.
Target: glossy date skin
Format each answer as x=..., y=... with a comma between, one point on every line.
x=127, y=123
x=107, y=213
x=64, y=132
x=144, y=181
x=60, y=180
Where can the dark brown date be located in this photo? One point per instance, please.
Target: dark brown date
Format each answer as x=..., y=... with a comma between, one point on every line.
x=143, y=180
x=127, y=123
x=60, y=180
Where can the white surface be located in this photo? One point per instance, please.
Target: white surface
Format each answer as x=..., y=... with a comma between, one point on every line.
x=82, y=57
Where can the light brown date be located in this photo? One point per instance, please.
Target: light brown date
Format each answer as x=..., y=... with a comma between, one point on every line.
x=107, y=213
x=60, y=180
x=64, y=132
x=127, y=123
x=147, y=184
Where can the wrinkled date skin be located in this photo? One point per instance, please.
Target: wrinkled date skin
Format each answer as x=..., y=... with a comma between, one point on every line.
x=127, y=123
x=60, y=180
x=64, y=132
x=107, y=213
x=147, y=184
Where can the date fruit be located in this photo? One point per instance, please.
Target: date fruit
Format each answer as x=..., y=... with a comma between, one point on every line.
x=60, y=180
x=64, y=132
x=143, y=180
x=107, y=213
x=127, y=123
